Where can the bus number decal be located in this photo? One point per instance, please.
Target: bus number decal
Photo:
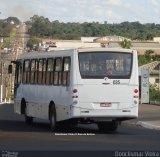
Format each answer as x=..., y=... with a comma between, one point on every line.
x=116, y=82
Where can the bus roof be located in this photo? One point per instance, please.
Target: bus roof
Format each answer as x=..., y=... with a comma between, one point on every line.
x=105, y=49
x=63, y=52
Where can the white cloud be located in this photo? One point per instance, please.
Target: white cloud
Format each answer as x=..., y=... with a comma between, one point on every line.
x=110, y=14
x=154, y=2
x=128, y=5
x=84, y=10
x=154, y=5
x=157, y=10
x=112, y=17
x=136, y=12
x=114, y=2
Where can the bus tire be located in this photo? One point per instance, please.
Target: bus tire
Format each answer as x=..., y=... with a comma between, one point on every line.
x=108, y=126
x=28, y=120
x=52, y=118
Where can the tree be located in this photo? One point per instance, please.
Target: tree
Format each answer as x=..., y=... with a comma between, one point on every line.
x=33, y=43
x=125, y=44
x=149, y=36
x=13, y=19
x=6, y=26
x=148, y=55
x=154, y=93
x=43, y=27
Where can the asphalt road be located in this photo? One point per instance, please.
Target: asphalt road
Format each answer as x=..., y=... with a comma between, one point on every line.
x=16, y=135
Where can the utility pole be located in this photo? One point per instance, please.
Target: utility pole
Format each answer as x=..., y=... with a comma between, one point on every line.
x=1, y=72
x=1, y=87
x=159, y=77
x=1, y=83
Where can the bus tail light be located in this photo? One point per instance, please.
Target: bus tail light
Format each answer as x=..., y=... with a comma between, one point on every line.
x=135, y=94
x=75, y=92
x=136, y=91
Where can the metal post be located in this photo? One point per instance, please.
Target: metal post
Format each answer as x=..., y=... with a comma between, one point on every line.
x=159, y=78
x=1, y=95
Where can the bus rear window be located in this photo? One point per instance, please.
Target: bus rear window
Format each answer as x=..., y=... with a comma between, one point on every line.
x=105, y=64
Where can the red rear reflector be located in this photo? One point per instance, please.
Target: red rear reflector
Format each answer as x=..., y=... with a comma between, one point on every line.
x=75, y=90
x=136, y=91
x=75, y=96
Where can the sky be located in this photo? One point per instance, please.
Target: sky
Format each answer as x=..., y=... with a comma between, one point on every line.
x=112, y=11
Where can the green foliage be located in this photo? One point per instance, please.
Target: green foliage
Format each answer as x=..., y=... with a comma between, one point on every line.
x=155, y=57
x=149, y=36
x=148, y=57
x=6, y=26
x=42, y=27
x=33, y=43
x=8, y=31
x=8, y=41
x=154, y=93
x=5, y=29
x=125, y=44
x=13, y=19
x=141, y=60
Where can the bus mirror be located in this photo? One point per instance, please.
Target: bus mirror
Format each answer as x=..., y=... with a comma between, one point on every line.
x=10, y=69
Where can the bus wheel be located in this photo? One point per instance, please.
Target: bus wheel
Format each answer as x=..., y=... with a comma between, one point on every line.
x=52, y=118
x=108, y=126
x=28, y=120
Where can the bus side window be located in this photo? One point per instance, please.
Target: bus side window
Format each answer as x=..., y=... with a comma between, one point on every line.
x=40, y=70
x=33, y=67
x=66, y=71
x=49, y=71
x=44, y=72
x=57, y=71
x=18, y=73
x=23, y=75
x=26, y=71
x=36, y=72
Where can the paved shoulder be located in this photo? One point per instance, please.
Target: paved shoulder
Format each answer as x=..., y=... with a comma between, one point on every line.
x=149, y=124
x=149, y=116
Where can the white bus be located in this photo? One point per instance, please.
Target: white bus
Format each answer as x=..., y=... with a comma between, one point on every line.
x=84, y=85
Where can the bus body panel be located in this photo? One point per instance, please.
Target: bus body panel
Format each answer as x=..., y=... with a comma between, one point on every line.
x=38, y=97
x=106, y=93
x=103, y=98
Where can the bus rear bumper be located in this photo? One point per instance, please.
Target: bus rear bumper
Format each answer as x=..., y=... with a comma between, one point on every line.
x=105, y=114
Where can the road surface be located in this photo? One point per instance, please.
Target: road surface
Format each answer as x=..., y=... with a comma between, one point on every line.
x=16, y=135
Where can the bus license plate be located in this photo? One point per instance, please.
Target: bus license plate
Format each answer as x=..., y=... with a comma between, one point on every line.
x=105, y=104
